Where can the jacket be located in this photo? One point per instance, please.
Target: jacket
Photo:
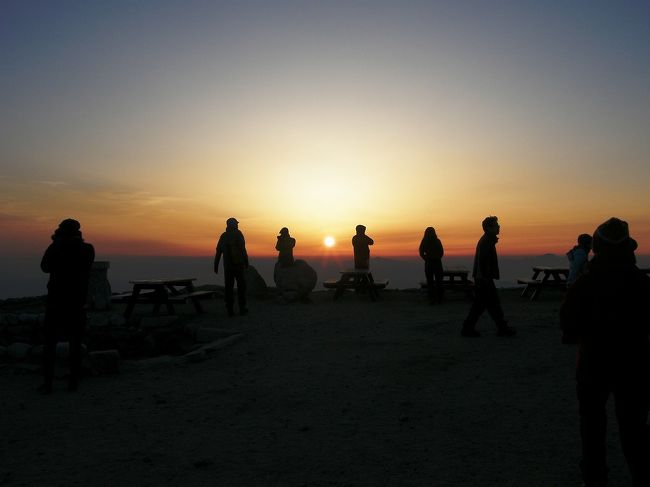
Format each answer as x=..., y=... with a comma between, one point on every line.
x=486, y=263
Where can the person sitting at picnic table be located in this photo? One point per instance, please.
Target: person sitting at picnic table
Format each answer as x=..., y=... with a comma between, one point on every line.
x=578, y=258
x=361, y=244
x=284, y=246
x=432, y=252
x=606, y=313
x=68, y=260
x=232, y=246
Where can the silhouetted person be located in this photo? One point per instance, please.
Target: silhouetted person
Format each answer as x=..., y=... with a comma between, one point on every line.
x=578, y=258
x=361, y=244
x=606, y=312
x=235, y=261
x=68, y=260
x=486, y=270
x=284, y=246
x=431, y=251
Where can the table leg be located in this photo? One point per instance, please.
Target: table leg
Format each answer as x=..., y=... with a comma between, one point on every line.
x=132, y=300
x=538, y=287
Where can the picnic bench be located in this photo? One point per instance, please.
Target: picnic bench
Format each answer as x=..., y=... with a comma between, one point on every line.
x=161, y=292
x=554, y=277
x=359, y=280
x=455, y=279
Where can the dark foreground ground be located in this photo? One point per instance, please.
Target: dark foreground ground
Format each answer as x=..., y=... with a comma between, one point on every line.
x=346, y=393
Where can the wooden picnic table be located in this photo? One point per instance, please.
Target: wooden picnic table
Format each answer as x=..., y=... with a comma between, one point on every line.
x=162, y=292
x=455, y=279
x=555, y=277
x=358, y=279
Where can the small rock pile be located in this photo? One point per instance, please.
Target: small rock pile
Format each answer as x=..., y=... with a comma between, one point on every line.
x=109, y=338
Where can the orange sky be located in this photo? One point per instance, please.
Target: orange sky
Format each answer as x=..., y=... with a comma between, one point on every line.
x=320, y=118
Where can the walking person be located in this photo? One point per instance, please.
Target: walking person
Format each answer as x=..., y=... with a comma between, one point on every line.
x=232, y=246
x=606, y=313
x=486, y=270
x=68, y=260
x=361, y=244
x=431, y=251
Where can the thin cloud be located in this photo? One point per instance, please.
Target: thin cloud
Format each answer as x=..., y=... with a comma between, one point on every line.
x=52, y=183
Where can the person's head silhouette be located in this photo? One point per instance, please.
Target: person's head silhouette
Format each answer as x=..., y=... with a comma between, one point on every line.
x=68, y=228
x=612, y=239
x=430, y=232
x=491, y=225
x=361, y=229
x=584, y=241
x=232, y=224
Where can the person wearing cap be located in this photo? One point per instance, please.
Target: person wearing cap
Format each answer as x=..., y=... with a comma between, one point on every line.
x=232, y=246
x=284, y=246
x=361, y=244
x=486, y=270
x=606, y=313
x=68, y=260
x=578, y=258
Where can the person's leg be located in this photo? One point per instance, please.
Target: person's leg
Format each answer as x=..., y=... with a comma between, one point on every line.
x=592, y=399
x=632, y=416
x=493, y=305
x=241, y=291
x=428, y=273
x=76, y=333
x=439, y=288
x=49, y=353
x=229, y=284
x=478, y=306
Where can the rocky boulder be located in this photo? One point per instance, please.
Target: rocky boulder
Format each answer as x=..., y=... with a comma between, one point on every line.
x=255, y=284
x=295, y=282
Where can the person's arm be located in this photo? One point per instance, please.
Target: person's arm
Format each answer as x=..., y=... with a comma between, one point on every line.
x=423, y=253
x=370, y=241
x=217, y=255
x=483, y=260
x=47, y=260
x=442, y=250
x=217, y=258
x=277, y=244
x=243, y=247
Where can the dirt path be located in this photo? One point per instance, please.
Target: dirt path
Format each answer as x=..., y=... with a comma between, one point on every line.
x=322, y=394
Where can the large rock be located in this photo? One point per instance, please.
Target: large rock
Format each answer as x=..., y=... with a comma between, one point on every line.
x=255, y=284
x=99, y=289
x=295, y=282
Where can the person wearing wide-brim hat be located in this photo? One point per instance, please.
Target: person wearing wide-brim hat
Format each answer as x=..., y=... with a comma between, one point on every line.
x=606, y=313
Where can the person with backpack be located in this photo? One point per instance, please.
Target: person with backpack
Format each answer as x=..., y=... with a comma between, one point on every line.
x=232, y=246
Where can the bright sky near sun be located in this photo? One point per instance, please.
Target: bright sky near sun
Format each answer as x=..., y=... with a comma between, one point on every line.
x=152, y=122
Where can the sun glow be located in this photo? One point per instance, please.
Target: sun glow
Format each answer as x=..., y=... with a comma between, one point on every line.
x=329, y=241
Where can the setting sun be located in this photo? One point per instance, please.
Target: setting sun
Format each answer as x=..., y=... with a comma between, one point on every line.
x=329, y=241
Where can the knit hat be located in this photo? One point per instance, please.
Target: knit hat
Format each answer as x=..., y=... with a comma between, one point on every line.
x=613, y=234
